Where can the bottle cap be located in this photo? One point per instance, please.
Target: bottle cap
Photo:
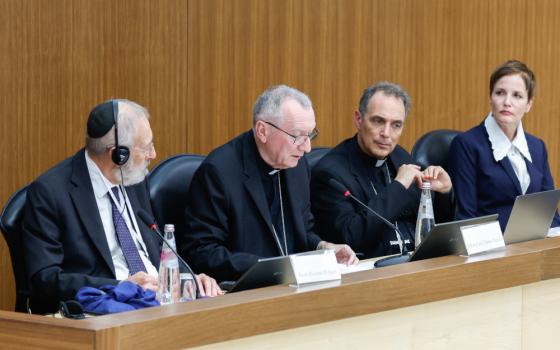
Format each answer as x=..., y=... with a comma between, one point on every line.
x=426, y=185
x=169, y=228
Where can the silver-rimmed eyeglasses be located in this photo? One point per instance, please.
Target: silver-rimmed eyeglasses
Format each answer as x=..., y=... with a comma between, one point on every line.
x=298, y=139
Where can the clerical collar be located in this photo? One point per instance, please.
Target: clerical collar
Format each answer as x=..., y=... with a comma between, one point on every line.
x=380, y=163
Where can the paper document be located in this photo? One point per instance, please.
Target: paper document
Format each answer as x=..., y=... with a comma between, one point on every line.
x=554, y=231
x=367, y=265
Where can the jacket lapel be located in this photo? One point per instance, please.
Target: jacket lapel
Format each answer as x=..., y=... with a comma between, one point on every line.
x=253, y=183
x=360, y=171
x=86, y=206
x=535, y=175
x=292, y=188
x=152, y=245
x=506, y=165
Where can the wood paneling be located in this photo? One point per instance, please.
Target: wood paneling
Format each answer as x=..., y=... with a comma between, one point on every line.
x=198, y=65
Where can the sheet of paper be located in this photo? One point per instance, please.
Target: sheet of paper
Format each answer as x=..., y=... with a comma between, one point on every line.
x=554, y=231
x=362, y=266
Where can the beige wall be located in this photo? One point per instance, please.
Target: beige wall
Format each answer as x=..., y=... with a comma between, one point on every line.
x=198, y=65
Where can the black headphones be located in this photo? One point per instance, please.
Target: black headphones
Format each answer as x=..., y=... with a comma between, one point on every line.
x=120, y=154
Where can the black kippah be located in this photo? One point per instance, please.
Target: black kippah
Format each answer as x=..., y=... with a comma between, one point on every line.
x=100, y=120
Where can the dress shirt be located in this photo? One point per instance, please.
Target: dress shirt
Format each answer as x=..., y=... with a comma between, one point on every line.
x=102, y=191
x=515, y=150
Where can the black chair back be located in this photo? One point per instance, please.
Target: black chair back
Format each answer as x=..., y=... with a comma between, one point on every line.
x=433, y=147
x=315, y=155
x=10, y=224
x=169, y=186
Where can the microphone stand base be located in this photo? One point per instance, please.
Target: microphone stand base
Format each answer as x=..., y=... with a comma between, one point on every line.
x=392, y=260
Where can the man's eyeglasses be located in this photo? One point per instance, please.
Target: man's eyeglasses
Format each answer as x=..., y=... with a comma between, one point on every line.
x=299, y=139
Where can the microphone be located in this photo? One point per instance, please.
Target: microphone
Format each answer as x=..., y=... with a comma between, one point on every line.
x=151, y=223
x=391, y=260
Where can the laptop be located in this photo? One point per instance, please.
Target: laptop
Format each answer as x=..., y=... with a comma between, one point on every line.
x=445, y=239
x=266, y=272
x=531, y=216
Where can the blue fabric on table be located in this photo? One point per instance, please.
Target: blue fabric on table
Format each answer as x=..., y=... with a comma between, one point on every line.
x=108, y=299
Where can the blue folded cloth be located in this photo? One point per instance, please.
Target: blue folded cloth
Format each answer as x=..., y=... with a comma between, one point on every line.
x=108, y=299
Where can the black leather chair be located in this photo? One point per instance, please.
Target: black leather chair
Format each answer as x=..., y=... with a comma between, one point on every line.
x=169, y=185
x=433, y=147
x=10, y=224
x=316, y=154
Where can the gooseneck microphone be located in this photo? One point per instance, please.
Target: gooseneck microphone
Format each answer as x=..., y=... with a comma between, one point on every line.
x=151, y=223
x=391, y=260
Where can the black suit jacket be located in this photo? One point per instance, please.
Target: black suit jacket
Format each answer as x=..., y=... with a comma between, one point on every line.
x=228, y=221
x=65, y=247
x=341, y=220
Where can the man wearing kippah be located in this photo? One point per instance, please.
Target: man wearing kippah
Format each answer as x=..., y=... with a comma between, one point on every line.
x=80, y=226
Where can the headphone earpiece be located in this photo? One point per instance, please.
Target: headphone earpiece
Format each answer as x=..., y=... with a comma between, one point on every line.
x=120, y=154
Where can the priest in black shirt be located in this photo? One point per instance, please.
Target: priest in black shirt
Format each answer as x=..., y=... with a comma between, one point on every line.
x=381, y=174
x=250, y=197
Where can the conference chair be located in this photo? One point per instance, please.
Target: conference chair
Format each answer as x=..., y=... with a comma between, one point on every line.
x=169, y=184
x=315, y=155
x=433, y=147
x=10, y=224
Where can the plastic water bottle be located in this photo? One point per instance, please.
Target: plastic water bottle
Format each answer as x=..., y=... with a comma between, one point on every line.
x=169, y=282
x=425, y=221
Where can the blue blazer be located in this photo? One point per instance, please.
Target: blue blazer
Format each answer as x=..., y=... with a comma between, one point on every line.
x=483, y=186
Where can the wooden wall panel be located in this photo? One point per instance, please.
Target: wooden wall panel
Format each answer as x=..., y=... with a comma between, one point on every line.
x=198, y=65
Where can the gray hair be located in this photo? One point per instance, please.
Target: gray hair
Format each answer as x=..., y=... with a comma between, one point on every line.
x=267, y=107
x=128, y=120
x=389, y=89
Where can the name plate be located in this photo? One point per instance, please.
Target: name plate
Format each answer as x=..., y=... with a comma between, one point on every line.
x=315, y=266
x=483, y=237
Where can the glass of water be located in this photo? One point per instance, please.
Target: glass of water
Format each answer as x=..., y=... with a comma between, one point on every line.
x=188, y=289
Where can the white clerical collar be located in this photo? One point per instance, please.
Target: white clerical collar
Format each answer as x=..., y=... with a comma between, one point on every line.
x=501, y=145
x=379, y=163
x=101, y=185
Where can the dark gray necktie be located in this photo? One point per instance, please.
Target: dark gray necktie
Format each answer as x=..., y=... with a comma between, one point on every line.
x=126, y=241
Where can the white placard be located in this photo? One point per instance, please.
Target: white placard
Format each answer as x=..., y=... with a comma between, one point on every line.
x=316, y=266
x=483, y=237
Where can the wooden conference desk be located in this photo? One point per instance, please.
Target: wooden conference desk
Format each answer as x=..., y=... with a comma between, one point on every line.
x=513, y=296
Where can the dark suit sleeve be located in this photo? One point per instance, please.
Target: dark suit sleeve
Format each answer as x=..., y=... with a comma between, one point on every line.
x=340, y=220
x=444, y=206
x=462, y=169
x=43, y=248
x=548, y=181
x=205, y=241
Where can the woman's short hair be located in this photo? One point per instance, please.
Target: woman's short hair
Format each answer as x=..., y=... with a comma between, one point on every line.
x=515, y=67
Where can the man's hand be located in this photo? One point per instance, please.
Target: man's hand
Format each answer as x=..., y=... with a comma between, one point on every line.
x=144, y=280
x=438, y=179
x=409, y=173
x=207, y=286
x=344, y=254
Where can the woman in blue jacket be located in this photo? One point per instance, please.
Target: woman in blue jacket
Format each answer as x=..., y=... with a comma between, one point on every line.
x=494, y=162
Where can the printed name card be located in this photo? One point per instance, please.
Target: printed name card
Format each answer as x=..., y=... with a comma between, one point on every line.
x=315, y=266
x=483, y=237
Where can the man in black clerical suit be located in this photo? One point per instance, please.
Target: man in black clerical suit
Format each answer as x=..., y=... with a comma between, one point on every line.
x=381, y=174
x=250, y=197
x=80, y=226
